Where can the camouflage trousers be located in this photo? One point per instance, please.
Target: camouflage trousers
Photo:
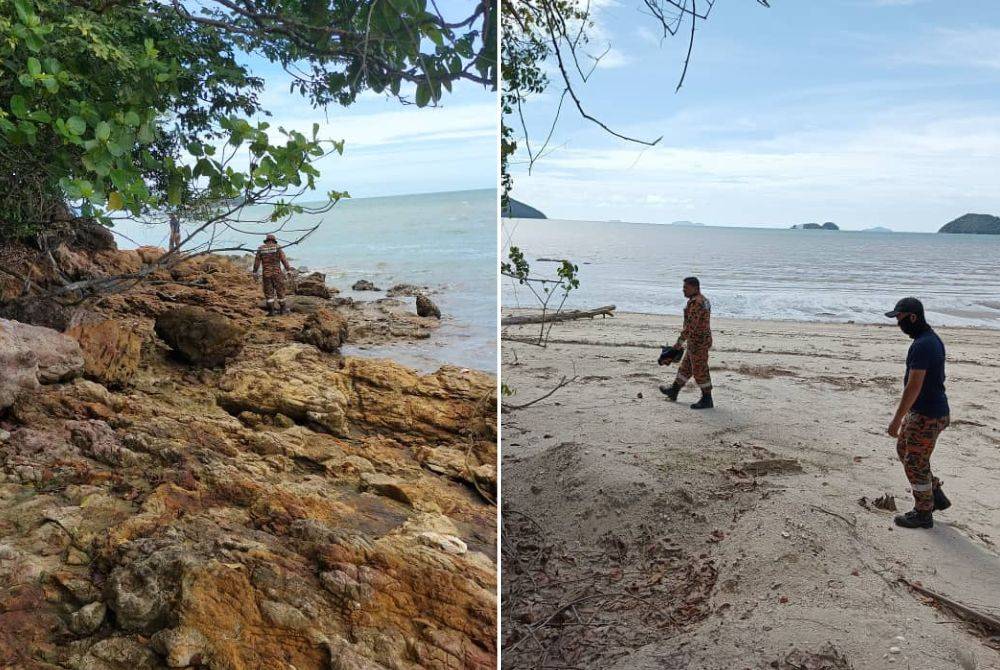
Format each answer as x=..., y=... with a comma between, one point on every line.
x=917, y=437
x=274, y=287
x=695, y=364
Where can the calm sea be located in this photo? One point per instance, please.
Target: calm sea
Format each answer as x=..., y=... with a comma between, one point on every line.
x=445, y=241
x=753, y=273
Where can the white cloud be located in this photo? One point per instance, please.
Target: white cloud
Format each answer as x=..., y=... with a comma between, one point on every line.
x=405, y=125
x=645, y=34
x=612, y=59
x=908, y=168
x=969, y=47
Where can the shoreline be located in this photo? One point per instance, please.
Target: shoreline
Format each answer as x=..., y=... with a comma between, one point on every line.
x=739, y=530
x=510, y=311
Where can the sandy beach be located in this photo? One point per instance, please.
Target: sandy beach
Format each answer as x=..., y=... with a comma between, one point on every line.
x=639, y=533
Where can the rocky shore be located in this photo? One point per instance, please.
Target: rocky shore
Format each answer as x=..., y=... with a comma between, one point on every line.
x=187, y=483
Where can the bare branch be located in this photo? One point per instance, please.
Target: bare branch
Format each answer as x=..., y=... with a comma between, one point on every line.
x=506, y=408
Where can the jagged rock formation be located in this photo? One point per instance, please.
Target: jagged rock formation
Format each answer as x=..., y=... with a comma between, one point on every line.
x=975, y=224
x=295, y=508
x=314, y=284
x=34, y=355
x=426, y=307
x=204, y=338
x=409, y=290
x=324, y=329
x=111, y=350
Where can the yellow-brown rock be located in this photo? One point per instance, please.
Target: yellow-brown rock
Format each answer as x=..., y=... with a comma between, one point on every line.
x=360, y=395
x=111, y=350
x=295, y=508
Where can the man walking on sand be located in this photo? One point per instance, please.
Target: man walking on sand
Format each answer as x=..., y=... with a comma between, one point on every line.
x=270, y=258
x=697, y=334
x=922, y=413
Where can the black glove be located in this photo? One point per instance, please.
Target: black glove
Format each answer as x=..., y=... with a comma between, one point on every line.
x=669, y=355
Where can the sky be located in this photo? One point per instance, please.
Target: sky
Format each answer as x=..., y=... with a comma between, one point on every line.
x=395, y=149
x=862, y=112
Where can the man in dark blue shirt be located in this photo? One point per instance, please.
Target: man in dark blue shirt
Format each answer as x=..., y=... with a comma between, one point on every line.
x=922, y=413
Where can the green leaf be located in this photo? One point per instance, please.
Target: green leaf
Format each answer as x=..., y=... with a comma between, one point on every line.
x=70, y=188
x=116, y=149
x=102, y=131
x=18, y=106
x=27, y=128
x=132, y=119
x=34, y=42
x=146, y=135
x=41, y=116
x=34, y=66
x=435, y=35
x=115, y=201
x=102, y=164
x=174, y=194
x=24, y=10
x=423, y=95
x=76, y=125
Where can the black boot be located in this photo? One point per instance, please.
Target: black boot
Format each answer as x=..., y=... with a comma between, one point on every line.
x=941, y=501
x=670, y=391
x=915, y=519
x=270, y=309
x=705, y=402
x=283, y=309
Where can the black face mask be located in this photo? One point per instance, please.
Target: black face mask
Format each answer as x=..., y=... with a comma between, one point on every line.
x=911, y=328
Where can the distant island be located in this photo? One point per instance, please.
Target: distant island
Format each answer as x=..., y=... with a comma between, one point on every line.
x=516, y=209
x=877, y=229
x=975, y=224
x=829, y=225
x=686, y=224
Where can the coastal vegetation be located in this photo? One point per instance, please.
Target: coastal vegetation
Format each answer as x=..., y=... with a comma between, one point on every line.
x=112, y=110
x=515, y=209
x=975, y=224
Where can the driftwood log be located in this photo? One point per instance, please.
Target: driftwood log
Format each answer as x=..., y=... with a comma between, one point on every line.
x=607, y=310
x=966, y=612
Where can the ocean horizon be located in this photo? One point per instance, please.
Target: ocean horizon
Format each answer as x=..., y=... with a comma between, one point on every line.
x=765, y=273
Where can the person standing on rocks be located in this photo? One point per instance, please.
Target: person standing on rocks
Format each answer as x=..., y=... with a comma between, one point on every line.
x=175, y=232
x=922, y=414
x=697, y=335
x=270, y=258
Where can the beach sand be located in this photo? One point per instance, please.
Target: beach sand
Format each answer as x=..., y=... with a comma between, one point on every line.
x=734, y=537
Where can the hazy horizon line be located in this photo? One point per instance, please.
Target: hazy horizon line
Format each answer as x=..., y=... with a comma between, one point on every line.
x=695, y=224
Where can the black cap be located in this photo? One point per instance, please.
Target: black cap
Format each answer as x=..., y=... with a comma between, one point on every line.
x=908, y=305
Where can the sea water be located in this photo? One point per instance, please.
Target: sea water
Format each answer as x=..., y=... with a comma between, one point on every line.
x=444, y=241
x=757, y=273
